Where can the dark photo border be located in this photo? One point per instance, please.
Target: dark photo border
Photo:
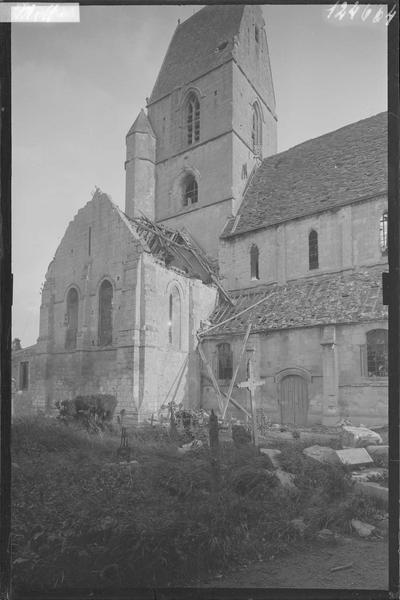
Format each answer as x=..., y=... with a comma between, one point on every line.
x=391, y=297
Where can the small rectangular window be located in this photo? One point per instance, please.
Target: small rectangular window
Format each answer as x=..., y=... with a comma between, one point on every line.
x=23, y=375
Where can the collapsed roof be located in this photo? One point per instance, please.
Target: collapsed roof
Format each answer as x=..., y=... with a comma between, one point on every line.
x=178, y=249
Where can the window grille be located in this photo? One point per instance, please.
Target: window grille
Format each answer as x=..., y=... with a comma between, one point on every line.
x=224, y=361
x=377, y=354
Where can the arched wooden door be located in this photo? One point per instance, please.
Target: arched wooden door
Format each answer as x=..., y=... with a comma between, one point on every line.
x=294, y=400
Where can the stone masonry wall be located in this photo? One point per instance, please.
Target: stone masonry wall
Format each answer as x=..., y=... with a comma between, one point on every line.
x=364, y=399
x=89, y=368
x=347, y=237
x=170, y=371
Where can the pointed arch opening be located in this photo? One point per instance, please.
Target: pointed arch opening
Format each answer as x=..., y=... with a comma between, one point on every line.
x=254, y=263
x=190, y=190
x=192, y=118
x=175, y=319
x=72, y=319
x=313, y=261
x=105, y=327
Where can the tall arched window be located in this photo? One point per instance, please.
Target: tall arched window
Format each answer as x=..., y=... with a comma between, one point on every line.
x=190, y=190
x=105, y=329
x=313, y=250
x=193, y=119
x=174, y=323
x=72, y=319
x=254, y=272
x=256, y=129
x=377, y=353
x=224, y=354
x=383, y=231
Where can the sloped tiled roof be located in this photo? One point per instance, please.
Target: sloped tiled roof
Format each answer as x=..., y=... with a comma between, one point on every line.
x=194, y=47
x=329, y=171
x=141, y=125
x=326, y=299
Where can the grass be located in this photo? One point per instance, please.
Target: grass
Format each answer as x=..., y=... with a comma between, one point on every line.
x=79, y=520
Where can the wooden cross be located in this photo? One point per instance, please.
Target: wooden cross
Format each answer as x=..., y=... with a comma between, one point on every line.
x=251, y=384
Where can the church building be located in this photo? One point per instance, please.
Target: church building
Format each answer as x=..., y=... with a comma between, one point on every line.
x=228, y=258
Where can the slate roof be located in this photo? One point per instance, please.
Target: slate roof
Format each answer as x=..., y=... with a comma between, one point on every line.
x=194, y=47
x=326, y=172
x=141, y=125
x=326, y=299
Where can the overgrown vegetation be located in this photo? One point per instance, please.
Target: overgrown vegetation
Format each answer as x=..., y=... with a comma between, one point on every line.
x=80, y=519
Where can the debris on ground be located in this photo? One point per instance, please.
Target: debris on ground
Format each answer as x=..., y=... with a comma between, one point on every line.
x=354, y=456
x=359, y=437
x=299, y=525
x=363, y=529
x=190, y=447
x=326, y=535
x=322, y=454
x=286, y=479
x=377, y=474
x=273, y=455
x=373, y=490
x=380, y=453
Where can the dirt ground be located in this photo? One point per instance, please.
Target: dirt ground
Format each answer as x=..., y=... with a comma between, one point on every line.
x=311, y=568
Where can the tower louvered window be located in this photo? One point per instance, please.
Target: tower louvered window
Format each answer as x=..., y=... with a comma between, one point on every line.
x=256, y=130
x=313, y=250
x=193, y=119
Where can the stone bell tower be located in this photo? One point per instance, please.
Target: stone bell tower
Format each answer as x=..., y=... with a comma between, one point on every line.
x=212, y=110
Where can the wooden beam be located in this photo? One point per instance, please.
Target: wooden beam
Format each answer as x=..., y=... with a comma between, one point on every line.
x=233, y=380
x=212, y=376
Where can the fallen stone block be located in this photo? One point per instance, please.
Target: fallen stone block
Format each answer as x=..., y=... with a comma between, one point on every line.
x=325, y=535
x=373, y=490
x=286, y=479
x=354, y=456
x=359, y=437
x=273, y=455
x=363, y=529
x=322, y=454
x=190, y=447
x=299, y=525
x=380, y=453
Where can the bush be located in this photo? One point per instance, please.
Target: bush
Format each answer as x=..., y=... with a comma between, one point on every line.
x=94, y=412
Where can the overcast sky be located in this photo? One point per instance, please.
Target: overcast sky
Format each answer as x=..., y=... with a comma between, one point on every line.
x=77, y=88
